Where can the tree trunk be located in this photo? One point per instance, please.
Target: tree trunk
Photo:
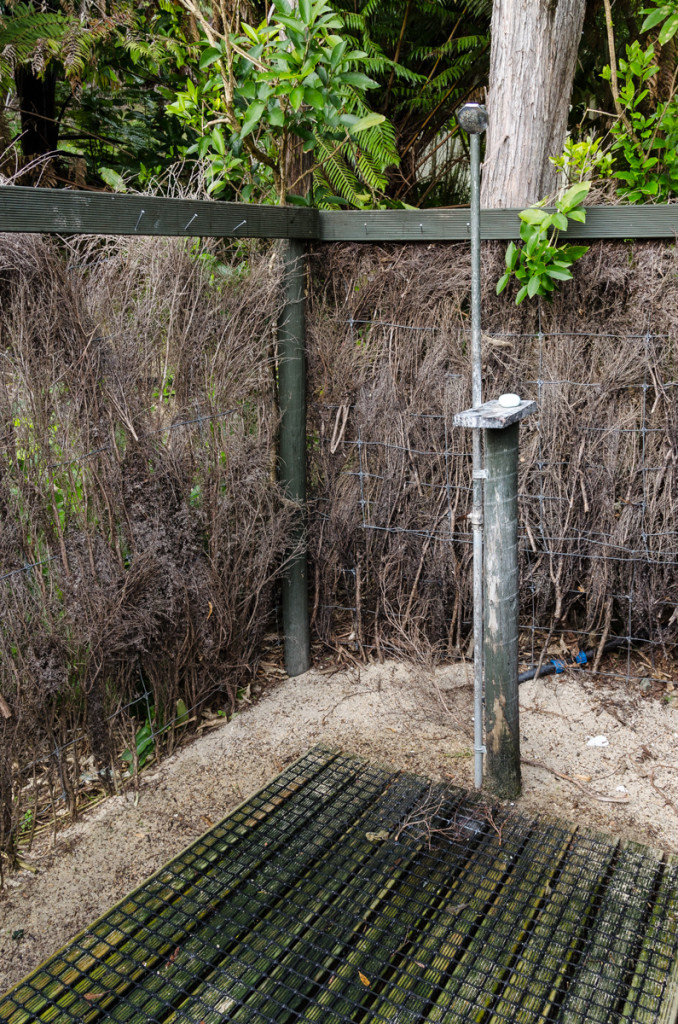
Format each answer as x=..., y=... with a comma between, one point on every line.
x=37, y=102
x=5, y=133
x=298, y=168
x=532, y=63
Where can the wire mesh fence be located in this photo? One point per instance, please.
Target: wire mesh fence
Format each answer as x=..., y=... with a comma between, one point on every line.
x=142, y=532
x=598, y=492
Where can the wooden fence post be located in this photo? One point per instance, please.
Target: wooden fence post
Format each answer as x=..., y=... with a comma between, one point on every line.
x=292, y=451
x=499, y=422
x=500, y=646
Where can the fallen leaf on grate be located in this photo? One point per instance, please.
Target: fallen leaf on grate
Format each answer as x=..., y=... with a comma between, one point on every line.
x=91, y=996
x=457, y=908
x=377, y=837
x=365, y=981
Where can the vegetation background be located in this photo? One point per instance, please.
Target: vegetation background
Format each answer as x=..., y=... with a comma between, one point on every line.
x=143, y=532
x=263, y=99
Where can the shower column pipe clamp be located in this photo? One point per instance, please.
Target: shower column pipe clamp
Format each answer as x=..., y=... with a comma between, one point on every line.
x=472, y=117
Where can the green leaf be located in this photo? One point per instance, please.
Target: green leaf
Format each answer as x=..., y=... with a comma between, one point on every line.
x=532, y=216
x=654, y=17
x=315, y=98
x=113, y=179
x=369, y=121
x=559, y=275
x=535, y=245
x=669, y=30
x=559, y=221
x=218, y=141
x=573, y=252
x=296, y=97
x=521, y=295
x=337, y=53
x=527, y=231
x=276, y=117
x=512, y=253
x=533, y=286
x=250, y=32
x=574, y=196
x=209, y=56
x=305, y=10
x=578, y=215
x=252, y=117
x=503, y=281
x=359, y=80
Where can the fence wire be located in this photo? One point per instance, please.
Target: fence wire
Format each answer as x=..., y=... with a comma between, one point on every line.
x=408, y=472
x=389, y=483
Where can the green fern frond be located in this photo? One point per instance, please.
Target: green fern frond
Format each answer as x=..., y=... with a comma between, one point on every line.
x=370, y=8
x=380, y=143
x=25, y=26
x=382, y=65
x=370, y=174
x=24, y=31
x=450, y=48
x=342, y=179
x=353, y=21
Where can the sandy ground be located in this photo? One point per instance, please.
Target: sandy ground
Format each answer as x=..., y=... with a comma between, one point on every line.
x=416, y=719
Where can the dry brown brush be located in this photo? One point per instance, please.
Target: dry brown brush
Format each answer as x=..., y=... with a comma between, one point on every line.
x=138, y=432
x=389, y=368
x=141, y=530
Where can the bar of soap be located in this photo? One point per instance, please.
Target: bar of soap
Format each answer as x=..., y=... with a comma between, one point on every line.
x=509, y=401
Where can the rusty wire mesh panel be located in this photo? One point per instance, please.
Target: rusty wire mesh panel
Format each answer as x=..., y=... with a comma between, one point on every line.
x=342, y=892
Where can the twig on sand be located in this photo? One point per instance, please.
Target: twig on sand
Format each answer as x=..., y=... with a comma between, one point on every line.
x=667, y=799
x=575, y=782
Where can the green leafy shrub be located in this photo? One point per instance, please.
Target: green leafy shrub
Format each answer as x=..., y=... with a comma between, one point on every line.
x=645, y=141
x=539, y=264
x=583, y=159
x=665, y=15
x=287, y=85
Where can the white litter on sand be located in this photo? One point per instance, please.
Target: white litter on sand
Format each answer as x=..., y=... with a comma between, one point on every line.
x=597, y=741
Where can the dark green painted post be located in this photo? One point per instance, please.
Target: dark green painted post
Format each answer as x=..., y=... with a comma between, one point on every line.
x=499, y=421
x=502, y=730
x=292, y=450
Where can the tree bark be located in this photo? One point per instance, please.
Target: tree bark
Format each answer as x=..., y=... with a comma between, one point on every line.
x=5, y=133
x=37, y=102
x=532, y=63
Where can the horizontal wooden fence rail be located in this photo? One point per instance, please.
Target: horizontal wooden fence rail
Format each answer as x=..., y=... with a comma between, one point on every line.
x=62, y=211
x=450, y=225
x=67, y=212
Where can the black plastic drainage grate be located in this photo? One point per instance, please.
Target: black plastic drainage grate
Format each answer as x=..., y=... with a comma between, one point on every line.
x=342, y=892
